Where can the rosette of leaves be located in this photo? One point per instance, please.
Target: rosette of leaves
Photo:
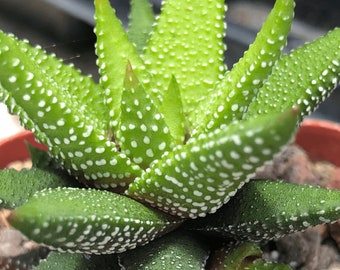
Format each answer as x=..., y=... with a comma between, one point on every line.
x=168, y=134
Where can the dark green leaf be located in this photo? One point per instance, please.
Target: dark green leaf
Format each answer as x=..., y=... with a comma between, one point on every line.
x=263, y=210
x=88, y=221
x=234, y=257
x=72, y=261
x=17, y=186
x=179, y=250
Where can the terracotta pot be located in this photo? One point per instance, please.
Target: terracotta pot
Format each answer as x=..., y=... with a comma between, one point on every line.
x=320, y=139
x=14, y=147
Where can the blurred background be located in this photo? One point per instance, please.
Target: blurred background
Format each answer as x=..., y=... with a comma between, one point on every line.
x=65, y=27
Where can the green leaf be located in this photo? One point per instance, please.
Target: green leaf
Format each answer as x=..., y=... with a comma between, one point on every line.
x=114, y=51
x=202, y=175
x=305, y=77
x=65, y=261
x=172, y=108
x=140, y=24
x=74, y=138
x=17, y=186
x=179, y=250
x=240, y=86
x=72, y=261
x=242, y=256
x=83, y=91
x=144, y=135
x=235, y=257
x=262, y=265
x=88, y=221
x=40, y=158
x=263, y=210
x=187, y=43
x=71, y=84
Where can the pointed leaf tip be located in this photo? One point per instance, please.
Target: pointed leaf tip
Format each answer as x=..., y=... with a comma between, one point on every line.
x=301, y=78
x=239, y=87
x=199, y=177
x=88, y=221
x=280, y=208
x=187, y=42
x=143, y=134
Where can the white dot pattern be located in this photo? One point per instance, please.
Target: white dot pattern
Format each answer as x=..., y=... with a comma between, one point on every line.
x=55, y=113
x=114, y=51
x=201, y=176
x=240, y=85
x=144, y=135
x=188, y=45
x=178, y=151
x=89, y=221
x=301, y=79
x=280, y=208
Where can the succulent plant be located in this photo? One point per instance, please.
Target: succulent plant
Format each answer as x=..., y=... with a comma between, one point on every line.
x=168, y=139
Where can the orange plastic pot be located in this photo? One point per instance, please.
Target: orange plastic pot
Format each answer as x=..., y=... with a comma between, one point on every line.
x=320, y=139
x=14, y=148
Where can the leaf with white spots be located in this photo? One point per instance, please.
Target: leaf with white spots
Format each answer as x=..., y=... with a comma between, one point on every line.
x=178, y=250
x=305, y=77
x=74, y=137
x=82, y=89
x=187, y=43
x=88, y=221
x=141, y=21
x=114, y=51
x=143, y=135
x=199, y=177
x=76, y=86
x=263, y=210
x=239, y=87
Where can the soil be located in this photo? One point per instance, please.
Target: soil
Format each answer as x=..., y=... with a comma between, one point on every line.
x=314, y=249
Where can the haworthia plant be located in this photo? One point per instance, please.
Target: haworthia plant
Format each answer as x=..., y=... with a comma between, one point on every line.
x=171, y=129
x=140, y=24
